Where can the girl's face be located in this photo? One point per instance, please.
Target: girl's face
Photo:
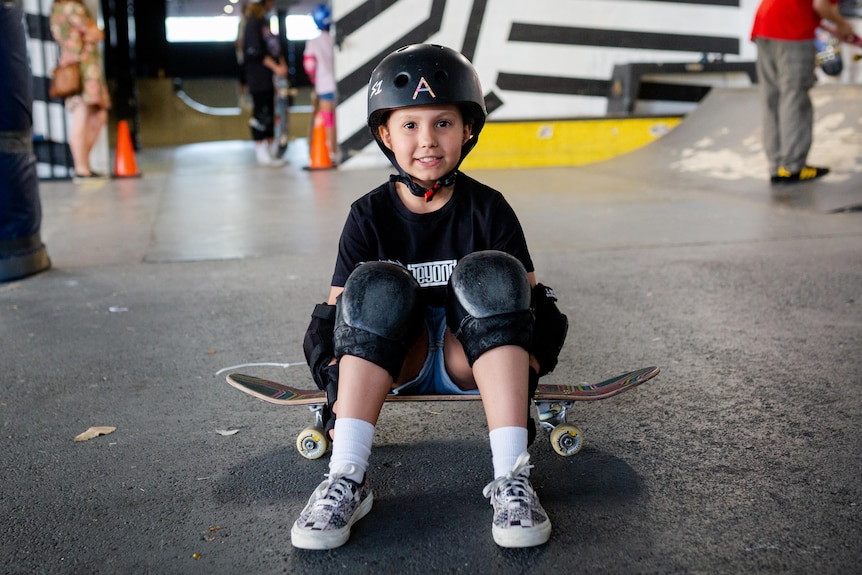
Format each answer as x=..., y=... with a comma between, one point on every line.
x=426, y=140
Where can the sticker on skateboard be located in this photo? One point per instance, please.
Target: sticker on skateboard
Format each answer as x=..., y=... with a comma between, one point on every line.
x=828, y=52
x=828, y=47
x=552, y=405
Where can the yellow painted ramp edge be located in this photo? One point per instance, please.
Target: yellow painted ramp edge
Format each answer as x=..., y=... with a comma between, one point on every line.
x=563, y=142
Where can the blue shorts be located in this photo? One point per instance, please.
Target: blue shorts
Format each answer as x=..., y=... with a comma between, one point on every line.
x=432, y=378
x=329, y=96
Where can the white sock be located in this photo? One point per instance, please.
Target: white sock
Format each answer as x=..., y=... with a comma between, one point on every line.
x=352, y=446
x=507, y=443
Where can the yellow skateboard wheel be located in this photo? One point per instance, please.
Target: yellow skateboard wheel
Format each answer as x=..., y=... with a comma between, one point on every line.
x=312, y=443
x=566, y=439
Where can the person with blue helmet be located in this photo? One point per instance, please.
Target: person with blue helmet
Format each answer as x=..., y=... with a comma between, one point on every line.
x=319, y=63
x=322, y=16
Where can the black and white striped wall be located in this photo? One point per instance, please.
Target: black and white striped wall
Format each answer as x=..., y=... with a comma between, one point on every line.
x=536, y=60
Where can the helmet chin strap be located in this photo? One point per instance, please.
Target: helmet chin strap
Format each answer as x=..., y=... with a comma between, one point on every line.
x=421, y=192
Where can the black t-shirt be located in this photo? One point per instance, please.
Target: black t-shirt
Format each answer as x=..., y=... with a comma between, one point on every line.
x=380, y=227
x=259, y=42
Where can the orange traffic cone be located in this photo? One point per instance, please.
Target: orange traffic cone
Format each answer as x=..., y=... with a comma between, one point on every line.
x=124, y=163
x=320, y=159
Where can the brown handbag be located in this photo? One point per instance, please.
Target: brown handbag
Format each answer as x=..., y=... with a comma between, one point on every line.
x=65, y=81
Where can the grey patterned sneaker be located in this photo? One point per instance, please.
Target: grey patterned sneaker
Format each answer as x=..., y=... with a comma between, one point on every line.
x=332, y=509
x=519, y=520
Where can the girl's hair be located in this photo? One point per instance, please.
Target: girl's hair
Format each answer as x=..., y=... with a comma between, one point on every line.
x=257, y=9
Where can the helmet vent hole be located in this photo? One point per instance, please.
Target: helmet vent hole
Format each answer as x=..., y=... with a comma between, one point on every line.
x=401, y=80
x=441, y=76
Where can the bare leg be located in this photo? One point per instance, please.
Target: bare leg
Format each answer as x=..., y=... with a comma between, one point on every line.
x=87, y=124
x=315, y=108
x=519, y=519
x=501, y=375
x=96, y=119
x=362, y=389
x=78, y=140
x=331, y=140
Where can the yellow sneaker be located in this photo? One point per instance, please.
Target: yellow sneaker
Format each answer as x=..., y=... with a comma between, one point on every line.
x=807, y=173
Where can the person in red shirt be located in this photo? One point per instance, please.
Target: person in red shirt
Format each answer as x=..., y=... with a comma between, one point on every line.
x=784, y=33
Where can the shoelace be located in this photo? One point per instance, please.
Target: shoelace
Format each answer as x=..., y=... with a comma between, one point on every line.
x=334, y=489
x=520, y=486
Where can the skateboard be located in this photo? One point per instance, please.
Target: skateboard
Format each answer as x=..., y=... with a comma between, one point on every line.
x=282, y=116
x=552, y=405
x=828, y=52
x=829, y=49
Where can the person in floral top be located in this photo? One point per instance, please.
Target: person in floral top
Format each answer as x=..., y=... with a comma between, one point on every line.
x=78, y=37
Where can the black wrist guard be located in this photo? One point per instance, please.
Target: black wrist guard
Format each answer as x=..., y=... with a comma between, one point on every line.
x=317, y=344
x=550, y=329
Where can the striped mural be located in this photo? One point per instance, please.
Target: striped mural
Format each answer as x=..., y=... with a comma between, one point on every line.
x=536, y=60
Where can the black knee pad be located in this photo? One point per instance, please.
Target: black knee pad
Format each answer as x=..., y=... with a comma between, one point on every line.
x=379, y=315
x=488, y=304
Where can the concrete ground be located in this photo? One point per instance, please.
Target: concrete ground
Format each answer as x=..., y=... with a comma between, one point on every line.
x=742, y=456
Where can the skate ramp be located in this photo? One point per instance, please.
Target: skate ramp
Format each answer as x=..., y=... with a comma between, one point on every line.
x=718, y=148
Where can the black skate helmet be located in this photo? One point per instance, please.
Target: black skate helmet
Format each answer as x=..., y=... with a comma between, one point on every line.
x=421, y=75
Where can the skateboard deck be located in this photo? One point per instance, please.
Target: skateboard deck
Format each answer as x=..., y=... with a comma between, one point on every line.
x=282, y=116
x=552, y=404
x=280, y=394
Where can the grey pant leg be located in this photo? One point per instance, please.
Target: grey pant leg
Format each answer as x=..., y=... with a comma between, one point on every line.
x=787, y=70
x=767, y=77
x=796, y=112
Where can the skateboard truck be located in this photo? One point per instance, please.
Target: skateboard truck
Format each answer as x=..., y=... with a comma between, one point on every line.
x=312, y=442
x=565, y=437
